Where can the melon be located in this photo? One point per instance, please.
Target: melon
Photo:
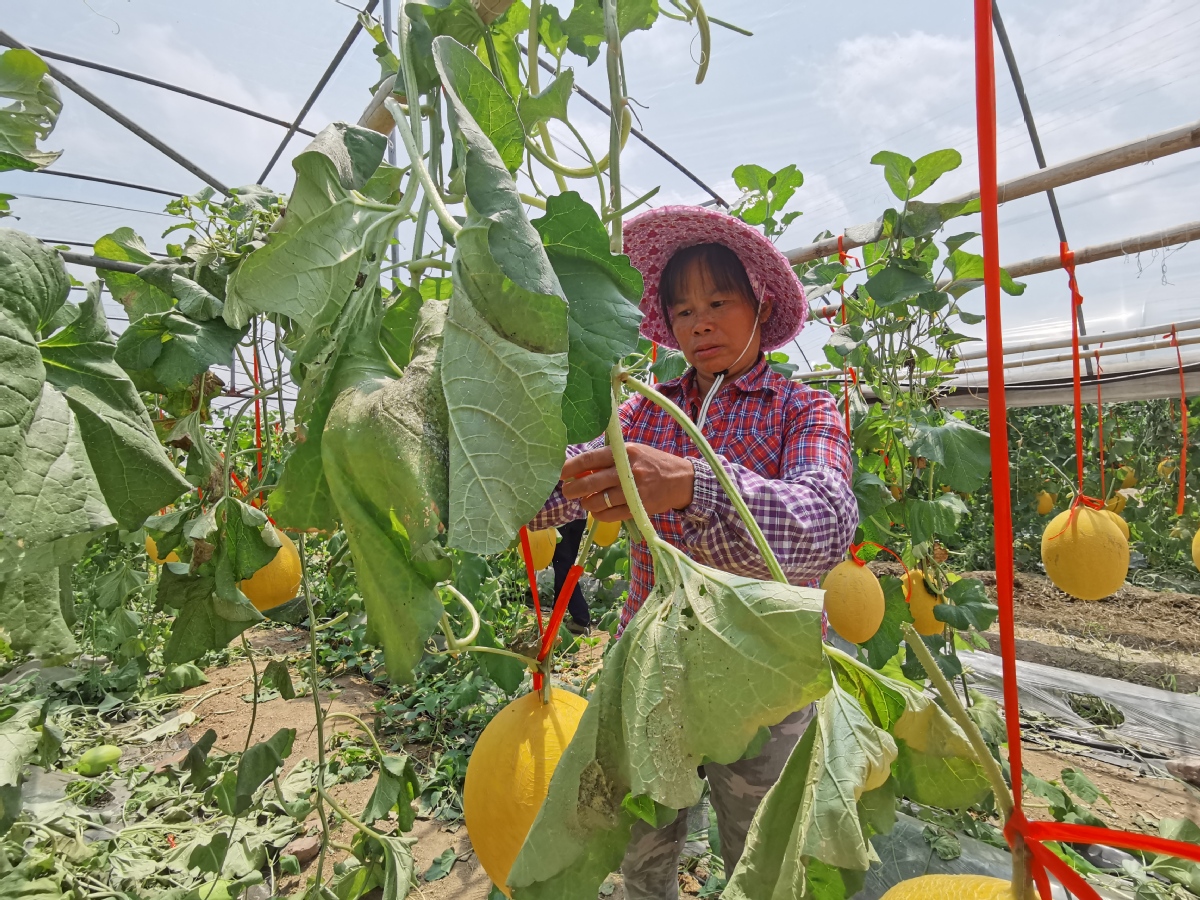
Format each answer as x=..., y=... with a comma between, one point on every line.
x=952, y=887
x=1085, y=553
x=278, y=581
x=508, y=775
x=921, y=603
x=152, y=552
x=541, y=547
x=1045, y=502
x=605, y=533
x=1116, y=503
x=1119, y=522
x=1196, y=550
x=853, y=601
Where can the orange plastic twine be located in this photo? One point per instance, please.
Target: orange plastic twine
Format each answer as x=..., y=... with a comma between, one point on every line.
x=1100, y=424
x=1019, y=829
x=854, y=548
x=1183, y=415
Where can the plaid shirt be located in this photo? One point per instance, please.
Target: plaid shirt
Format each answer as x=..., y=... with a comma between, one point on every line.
x=785, y=446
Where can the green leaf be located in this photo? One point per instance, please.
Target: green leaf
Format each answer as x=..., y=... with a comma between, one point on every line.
x=765, y=640
x=134, y=474
x=432, y=18
x=399, y=322
x=932, y=166
x=139, y=297
x=18, y=745
x=895, y=283
x=209, y=855
x=256, y=766
x=870, y=492
x=935, y=765
x=32, y=114
x=196, y=761
x=550, y=30
x=602, y=291
x=927, y=519
x=1181, y=871
x=1082, y=787
x=199, y=626
x=484, y=99
x=175, y=279
x=897, y=169
x=550, y=103
x=584, y=27
x=397, y=789
x=385, y=455
x=812, y=811
x=670, y=364
x=968, y=606
x=966, y=270
x=398, y=866
x=248, y=539
x=309, y=266
x=506, y=672
x=276, y=677
x=961, y=451
x=164, y=352
x=177, y=679
x=441, y=865
x=31, y=614
x=506, y=340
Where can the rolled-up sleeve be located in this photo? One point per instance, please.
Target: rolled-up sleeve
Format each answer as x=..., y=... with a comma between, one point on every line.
x=808, y=514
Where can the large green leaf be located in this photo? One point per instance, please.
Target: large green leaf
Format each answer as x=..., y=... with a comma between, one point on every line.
x=18, y=744
x=549, y=103
x=584, y=27
x=603, y=290
x=385, y=456
x=77, y=450
x=485, y=99
x=961, y=451
x=164, y=352
x=504, y=365
x=32, y=114
x=309, y=266
x=139, y=297
x=257, y=764
x=812, y=811
x=134, y=473
x=705, y=647
x=431, y=19
x=31, y=614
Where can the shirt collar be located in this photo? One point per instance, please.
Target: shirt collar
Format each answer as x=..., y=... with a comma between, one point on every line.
x=756, y=379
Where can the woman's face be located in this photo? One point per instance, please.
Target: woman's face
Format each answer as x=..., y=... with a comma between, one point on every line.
x=716, y=329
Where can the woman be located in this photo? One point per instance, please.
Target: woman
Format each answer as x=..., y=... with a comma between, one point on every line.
x=721, y=293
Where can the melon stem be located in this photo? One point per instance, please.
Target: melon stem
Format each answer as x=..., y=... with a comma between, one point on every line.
x=1021, y=876
x=718, y=469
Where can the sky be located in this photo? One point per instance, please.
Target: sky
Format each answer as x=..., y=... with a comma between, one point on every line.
x=823, y=86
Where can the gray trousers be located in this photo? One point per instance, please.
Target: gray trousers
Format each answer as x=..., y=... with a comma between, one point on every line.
x=651, y=864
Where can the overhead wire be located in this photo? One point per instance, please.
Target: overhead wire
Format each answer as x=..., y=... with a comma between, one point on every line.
x=148, y=212
x=112, y=181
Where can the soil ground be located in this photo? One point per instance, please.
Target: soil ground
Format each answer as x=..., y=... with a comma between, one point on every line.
x=1137, y=635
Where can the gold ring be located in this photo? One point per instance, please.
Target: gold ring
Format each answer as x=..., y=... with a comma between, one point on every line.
x=607, y=502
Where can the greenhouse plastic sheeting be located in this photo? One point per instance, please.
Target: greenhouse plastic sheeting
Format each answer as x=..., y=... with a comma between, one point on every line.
x=904, y=853
x=1160, y=718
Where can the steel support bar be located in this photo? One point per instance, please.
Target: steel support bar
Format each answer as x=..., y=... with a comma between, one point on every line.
x=119, y=117
x=1156, y=146
x=1102, y=337
x=165, y=85
x=99, y=262
x=98, y=180
x=1160, y=344
x=1010, y=59
x=316, y=91
x=1155, y=240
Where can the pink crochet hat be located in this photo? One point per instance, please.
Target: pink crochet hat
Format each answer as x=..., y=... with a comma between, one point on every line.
x=653, y=237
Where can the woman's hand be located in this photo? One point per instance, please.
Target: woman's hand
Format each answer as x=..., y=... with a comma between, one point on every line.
x=663, y=480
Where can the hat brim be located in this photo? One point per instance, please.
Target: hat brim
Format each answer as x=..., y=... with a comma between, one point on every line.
x=653, y=237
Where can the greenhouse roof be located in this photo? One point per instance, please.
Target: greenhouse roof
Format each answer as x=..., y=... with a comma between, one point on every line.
x=822, y=90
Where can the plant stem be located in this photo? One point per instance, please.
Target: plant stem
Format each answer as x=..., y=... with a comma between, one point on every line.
x=718, y=469
x=362, y=725
x=625, y=473
x=456, y=643
x=991, y=769
x=316, y=695
x=418, y=163
x=253, y=692
x=612, y=36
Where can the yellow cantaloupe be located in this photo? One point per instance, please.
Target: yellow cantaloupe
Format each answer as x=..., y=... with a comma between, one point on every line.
x=278, y=581
x=1085, y=553
x=853, y=601
x=952, y=887
x=921, y=603
x=508, y=775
